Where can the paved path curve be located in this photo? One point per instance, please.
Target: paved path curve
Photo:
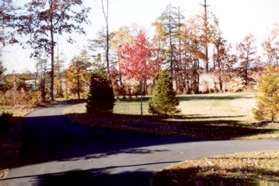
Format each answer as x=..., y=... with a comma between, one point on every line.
x=56, y=152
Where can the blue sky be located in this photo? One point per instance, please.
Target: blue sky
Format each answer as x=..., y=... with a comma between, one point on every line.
x=237, y=19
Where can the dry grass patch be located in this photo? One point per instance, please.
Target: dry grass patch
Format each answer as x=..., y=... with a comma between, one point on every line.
x=237, y=169
x=4, y=173
x=224, y=106
x=17, y=111
x=76, y=109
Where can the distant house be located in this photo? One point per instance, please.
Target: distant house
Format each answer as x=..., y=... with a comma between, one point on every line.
x=31, y=84
x=208, y=82
x=28, y=81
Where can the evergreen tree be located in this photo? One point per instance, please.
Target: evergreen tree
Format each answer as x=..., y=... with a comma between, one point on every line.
x=101, y=97
x=268, y=96
x=246, y=58
x=163, y=101
x=170, y=23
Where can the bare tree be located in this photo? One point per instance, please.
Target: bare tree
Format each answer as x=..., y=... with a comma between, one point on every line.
x=8, y=21
x=44, y=19
x=42, y=76
x=246, y=57
x=205, y=34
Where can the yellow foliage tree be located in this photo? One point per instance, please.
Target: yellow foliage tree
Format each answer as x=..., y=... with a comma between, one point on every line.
x=268, y=96
x=77, y=74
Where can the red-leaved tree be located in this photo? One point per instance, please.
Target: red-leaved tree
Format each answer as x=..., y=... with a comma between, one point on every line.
x=138, y=62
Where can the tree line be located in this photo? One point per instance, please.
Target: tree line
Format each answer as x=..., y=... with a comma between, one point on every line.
x=188, y=48
x=36, y=23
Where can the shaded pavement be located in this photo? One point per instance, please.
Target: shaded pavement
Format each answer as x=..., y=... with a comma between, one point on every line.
x=57, y=152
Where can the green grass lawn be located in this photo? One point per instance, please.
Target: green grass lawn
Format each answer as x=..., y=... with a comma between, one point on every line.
x=237, y=105
x=213, y=116
x=223, y=106
x=130, y=107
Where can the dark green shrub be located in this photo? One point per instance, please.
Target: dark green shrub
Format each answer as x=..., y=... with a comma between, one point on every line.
x=6, y=116
x=163, y=101
x=5, y=120
x=101, y=97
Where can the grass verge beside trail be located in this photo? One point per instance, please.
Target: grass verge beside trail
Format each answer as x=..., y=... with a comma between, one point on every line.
x=258, y=168
x=212, y=116
x=17, y=111
x=16, y=117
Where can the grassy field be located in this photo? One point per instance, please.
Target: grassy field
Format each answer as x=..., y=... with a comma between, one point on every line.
x=258, y=168
x=237, y=105
x=131, y=107
x=212, y=116
x=224, y=106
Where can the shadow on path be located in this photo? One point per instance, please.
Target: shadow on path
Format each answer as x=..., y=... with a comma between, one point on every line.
x=54, y=138
x=101, y=176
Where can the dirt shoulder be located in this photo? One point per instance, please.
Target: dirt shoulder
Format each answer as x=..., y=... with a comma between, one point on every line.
x=242, y=169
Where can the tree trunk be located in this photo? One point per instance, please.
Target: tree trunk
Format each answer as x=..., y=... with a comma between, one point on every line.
x=141, y=97
x=105, y=14
x=188, y=88
x=43, y=89
x=220, y=70
x=171, y=48
x=78, y=81
x=198, y=84
x=206, y=36
x=178, y=87
x=145, y=87
x=78, y=88
x=107, y=47
x=52, y=55
x=206, y=59
x=119, y=66
x=196, y=77
x=220, y=83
